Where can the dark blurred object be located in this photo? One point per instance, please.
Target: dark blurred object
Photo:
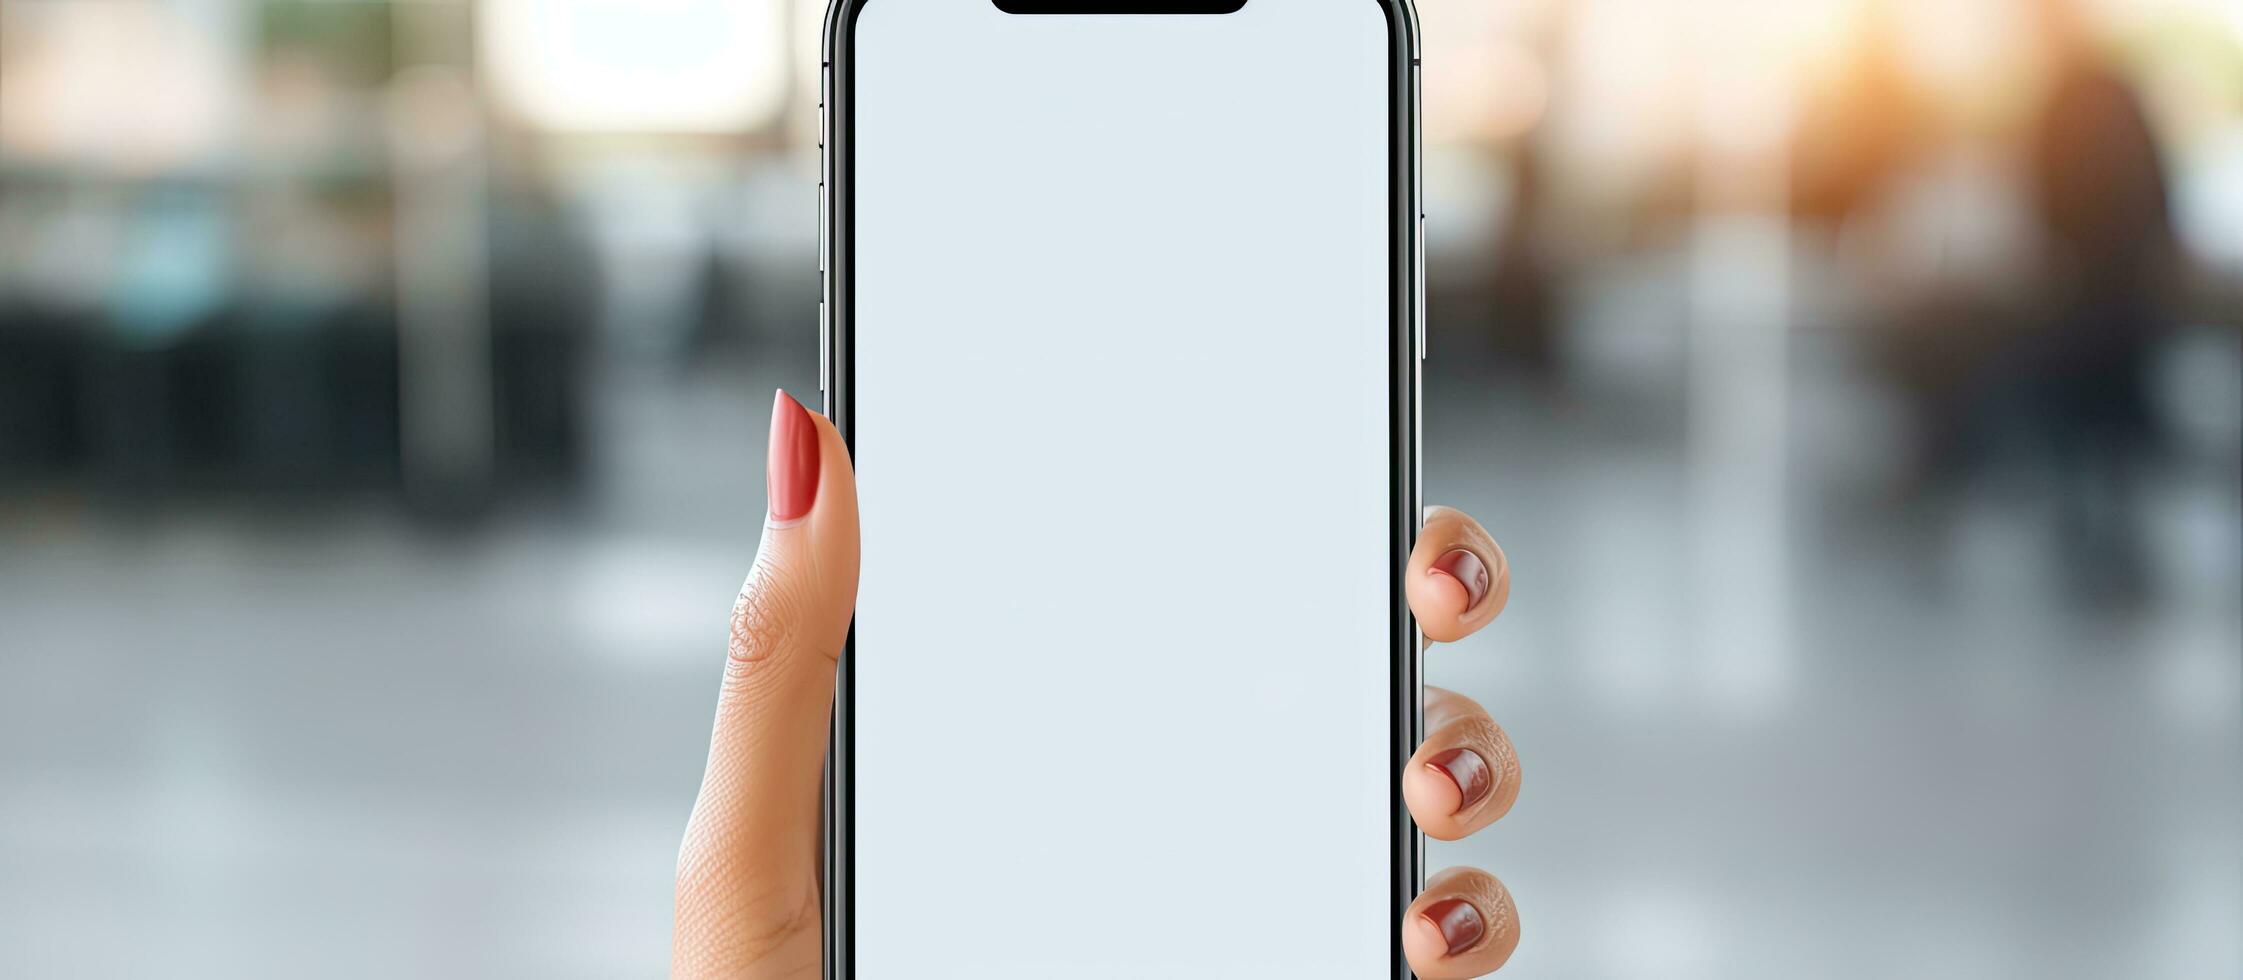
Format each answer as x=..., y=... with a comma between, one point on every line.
x=39, y=370
x=2099, y=190
x=228, y=312
x=2035, y=368
x=2099, y=187
x=1523, y=284
x=545, y=301
x=242, y=403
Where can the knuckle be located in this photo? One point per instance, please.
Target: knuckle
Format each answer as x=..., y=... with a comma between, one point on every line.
x=1477, y=731
x=1492, y=899
x=1473, y=729
x=766, y=617
x=1502, y=915
x=1492, y=740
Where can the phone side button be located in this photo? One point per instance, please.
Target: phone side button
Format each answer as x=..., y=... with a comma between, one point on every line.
x=1420, y=274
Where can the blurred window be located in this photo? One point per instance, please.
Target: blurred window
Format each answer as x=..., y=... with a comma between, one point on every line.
x=126, y=86
x=646, y=66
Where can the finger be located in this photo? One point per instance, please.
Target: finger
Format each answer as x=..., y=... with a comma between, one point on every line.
x=1458, y=578
x=747, y=873
x=1466, y=775
x=1462, y=926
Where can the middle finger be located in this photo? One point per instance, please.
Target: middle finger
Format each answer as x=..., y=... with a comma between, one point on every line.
x=1466, y=775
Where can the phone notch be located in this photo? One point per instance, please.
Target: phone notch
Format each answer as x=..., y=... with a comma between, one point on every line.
x=1119, y=6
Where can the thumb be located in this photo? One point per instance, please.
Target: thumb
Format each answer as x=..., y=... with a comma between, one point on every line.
x=747, y=892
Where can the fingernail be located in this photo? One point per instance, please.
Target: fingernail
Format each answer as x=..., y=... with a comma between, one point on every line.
x=1473, y=777
x=1459, y=922
x=792, y=475
x=1467, y=568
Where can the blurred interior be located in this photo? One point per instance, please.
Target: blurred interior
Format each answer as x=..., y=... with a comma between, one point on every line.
x=1856, y=385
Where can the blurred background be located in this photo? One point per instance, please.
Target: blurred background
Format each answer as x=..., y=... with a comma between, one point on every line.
x=1856, y=385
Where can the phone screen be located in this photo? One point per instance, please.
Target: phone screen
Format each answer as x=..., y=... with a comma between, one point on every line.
x=1122, y=408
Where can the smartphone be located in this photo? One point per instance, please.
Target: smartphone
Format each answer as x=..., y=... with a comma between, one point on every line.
x=1122, y=323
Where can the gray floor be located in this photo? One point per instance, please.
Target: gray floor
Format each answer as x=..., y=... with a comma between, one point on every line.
x=1774, y=725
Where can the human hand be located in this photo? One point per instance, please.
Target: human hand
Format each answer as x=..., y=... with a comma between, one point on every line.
x=747, y=884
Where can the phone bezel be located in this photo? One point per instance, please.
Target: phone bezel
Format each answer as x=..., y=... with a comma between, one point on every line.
x=1406, y=346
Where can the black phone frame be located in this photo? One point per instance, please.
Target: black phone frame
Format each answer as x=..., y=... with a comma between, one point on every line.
x=1406, y=352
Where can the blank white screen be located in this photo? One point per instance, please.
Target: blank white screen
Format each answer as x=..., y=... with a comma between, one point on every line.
x=1121, y=407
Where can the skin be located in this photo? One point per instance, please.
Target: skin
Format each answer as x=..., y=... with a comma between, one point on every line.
x=747, y=883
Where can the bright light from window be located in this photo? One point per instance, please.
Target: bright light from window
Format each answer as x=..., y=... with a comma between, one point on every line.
x=137, y=87
x=637, y=65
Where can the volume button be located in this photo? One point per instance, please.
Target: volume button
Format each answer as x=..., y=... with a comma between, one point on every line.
x=825, y=169
x=1419, y=274
x=825, y=156
x=1417, y=140
x=1417, y=194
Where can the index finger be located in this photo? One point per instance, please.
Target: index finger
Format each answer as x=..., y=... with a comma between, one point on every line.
x=1458, y=579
